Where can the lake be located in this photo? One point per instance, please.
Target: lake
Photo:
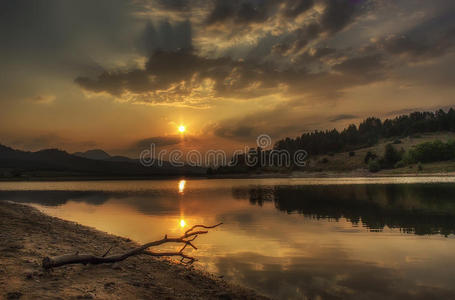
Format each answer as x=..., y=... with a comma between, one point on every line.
x=356, y=238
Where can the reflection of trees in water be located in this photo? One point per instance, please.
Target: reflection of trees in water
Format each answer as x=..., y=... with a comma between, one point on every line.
x=414, y=208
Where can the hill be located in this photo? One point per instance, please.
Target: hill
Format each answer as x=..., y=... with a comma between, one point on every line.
x=98, y=154
x=349, y=161
x=396, y=145
x=57, y=163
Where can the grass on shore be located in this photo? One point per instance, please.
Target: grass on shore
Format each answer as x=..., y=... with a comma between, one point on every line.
x=344, y=162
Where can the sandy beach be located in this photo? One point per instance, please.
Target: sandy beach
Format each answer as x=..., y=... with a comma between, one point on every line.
x=27, y=236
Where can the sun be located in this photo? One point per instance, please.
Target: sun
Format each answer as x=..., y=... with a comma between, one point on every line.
x=182, y=128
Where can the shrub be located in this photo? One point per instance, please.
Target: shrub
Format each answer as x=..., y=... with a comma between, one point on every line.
x=432, y=151
x=396, y=142
x=368, y=156
x=400, y=164
x=352, y=153
x=374, y=166
x=324, y=160
x=419, y=166
x=391, y=156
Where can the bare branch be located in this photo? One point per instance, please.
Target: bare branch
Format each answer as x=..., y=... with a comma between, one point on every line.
x=186, y=239
x=202, y=226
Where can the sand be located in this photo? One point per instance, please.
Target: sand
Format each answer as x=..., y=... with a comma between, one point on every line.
x=27, y=235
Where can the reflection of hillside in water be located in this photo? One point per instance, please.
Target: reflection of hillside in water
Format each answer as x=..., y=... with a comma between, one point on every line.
x=55, y=198
x=149, y=202
x=414, y=208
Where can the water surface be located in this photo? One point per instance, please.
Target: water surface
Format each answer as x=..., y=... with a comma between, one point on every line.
x=287, y=238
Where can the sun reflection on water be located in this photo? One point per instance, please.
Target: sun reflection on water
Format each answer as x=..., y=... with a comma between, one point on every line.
x=182, y=186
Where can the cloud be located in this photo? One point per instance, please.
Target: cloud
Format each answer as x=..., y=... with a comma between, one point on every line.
x=158, y=141
x=45, y=140
x=187, y=78
x=369, y=65
x=165, y=36
x=339, y=13
x=175, y=5
x=287, y=121
x=289, y=57
x=184, y=77
x=432, y=38
x=238, y=132
x=42, y=99
x=241, y=12
x=297, y=7
x=404, y=45
x=54, y=29
x=342, y=117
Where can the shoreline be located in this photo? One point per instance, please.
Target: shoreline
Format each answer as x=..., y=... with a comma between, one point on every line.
x=28, y=235
x=295, y=175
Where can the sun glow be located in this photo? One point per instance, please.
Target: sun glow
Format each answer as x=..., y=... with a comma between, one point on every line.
x=182, y=223
x=182, y=186
x=182, y=128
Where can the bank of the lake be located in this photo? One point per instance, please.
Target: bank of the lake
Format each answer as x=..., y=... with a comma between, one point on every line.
x=28, y=235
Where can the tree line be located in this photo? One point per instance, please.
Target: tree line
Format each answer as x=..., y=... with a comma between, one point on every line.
x=369, y=132
x=354, y=137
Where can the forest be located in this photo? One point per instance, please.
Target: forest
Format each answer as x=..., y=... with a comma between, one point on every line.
x=369, y=132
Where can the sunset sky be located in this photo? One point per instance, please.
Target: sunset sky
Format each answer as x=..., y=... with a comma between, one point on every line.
x=118, y=75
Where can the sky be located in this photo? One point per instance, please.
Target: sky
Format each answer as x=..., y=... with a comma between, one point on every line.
x=119, y=75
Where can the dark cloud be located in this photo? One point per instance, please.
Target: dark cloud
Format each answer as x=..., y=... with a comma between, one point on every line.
x=433, y=38
x=241, y=11
x=342, y=117
x=367, y=66
x=303, y=36
x=239, y=132
x=418, y=49
x=175, y=5
x=338, y=14
x=286, y=121
x=167, y=37
x=297, y=7
x=38, y=29
x=158, y=141
x=182, y=72
x=295, y=62
x=56, y=40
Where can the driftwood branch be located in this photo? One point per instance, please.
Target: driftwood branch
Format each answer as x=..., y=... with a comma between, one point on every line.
x=186, y=239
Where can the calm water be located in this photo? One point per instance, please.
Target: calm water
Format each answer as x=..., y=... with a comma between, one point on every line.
x=287, y=238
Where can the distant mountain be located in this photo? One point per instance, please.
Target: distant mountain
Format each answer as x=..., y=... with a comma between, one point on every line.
x=123, y=158
x=55, y=162
x=94, y=154
x=98, y=154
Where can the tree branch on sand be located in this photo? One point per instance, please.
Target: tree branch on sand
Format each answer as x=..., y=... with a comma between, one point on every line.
x=186, y=239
